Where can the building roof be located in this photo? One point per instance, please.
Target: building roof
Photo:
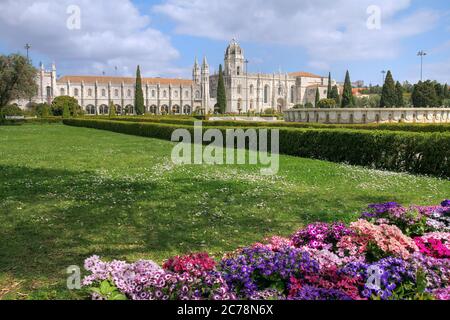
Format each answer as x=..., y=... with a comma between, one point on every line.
x=125, y=80
x=304, y=74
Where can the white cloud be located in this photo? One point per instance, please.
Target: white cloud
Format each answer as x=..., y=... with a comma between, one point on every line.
x=328, y=30
x=113, y=33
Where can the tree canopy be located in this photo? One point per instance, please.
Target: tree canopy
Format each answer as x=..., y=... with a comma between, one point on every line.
x=389, y=97
x=347, y=95
x=221, y=94
x=17, y=79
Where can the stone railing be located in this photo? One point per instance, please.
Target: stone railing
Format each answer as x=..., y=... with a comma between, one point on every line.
x=368, y=115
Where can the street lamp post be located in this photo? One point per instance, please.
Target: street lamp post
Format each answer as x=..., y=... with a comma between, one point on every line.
x=28, y=47
x=421, y=54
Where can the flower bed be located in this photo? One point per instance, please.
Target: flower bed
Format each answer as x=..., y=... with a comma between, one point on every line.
x=390, y=253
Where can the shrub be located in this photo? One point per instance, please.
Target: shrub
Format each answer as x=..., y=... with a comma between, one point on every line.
x=327, y=103
x=59, y=103
x=10, y=110
x=419, y=153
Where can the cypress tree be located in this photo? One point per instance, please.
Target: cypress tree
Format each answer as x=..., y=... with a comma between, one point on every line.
x=112, y=110
x=388, y=95
x=329, y=86
x=139, y=94
x=399, y=92
x=347, y=95
x=317, y=97
x=221, y=94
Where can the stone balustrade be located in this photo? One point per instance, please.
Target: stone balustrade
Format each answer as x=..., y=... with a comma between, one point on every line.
x=368, y=115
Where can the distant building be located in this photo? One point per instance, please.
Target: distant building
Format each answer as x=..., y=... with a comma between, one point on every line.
x=245, y=91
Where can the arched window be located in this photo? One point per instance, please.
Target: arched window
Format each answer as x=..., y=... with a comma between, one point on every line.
x=280, y=90
x=239, y=89
x=266, y=94
x=164, y=94
x=116, y=92
x=292, y=94
x=76, y=92
x=90, y=92
x=251, y=89
x=103, y=93
x=153, y=93
x=62, y=92
x=238, y=70
x=129, y=93
x=187, y=109
x=49, y=92
x=175, y=93
x=186, y=94
x=197, y=94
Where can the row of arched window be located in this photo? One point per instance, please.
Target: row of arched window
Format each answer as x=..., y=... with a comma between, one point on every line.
x=103, y=93
x=267, y=92
x=129, y=109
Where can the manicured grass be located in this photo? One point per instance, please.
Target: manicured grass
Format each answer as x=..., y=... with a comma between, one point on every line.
x=67, y=193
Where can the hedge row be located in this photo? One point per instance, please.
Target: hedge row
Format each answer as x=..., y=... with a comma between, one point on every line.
x=31, y=121
x=418, y=153
x=437, y=127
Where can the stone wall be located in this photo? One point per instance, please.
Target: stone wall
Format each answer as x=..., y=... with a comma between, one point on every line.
x=369, y=115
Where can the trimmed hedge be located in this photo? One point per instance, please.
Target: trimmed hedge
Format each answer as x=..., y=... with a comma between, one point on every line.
x=438, y=127
x=46, y=120
x=418, y=153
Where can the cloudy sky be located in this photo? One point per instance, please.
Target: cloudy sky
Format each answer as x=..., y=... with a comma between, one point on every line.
x=164, y=36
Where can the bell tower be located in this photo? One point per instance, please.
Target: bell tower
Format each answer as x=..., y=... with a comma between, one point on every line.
x=234, y=59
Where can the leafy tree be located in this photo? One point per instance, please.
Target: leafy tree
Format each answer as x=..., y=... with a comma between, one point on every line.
x=446, y=92
x=17, y=79
x=66, y=111
x=335, y=95
x=309, y=105
x=112, y=110
x=327, y=103
x=139, y=94
x=60, y=102
x=399, y=93
x=43, y=110
x=424, y=95
x=221, y=94
x=316, y=102
x=347, y=95
x=439, y=92
x=329, y=87
x=389, y=97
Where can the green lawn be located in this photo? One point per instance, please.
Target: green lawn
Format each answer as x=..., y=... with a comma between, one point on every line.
x=67, y=193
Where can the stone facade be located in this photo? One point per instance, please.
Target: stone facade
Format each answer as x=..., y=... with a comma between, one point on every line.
x=368, y=115
x=245, y=91
x=257, y=92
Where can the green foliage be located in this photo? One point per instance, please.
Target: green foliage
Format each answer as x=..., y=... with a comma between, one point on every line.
x=269, y=111
x=139, y=94
x=372, y=101
x=413, y=291
x=326, y=103
x=298, y=106
x=107, y=291
x=10, y=110
x=43, y=110
x=445, y=92
x=112, y=110
x=221, y=94
x=309, y=105
x=329, y=95
x=389, y=96
x=316, y=102
x=60, y=103
x=66, y=111
x=347, y=95
x=399, y=93
x=335, y=95
x=17, y=79
x=424, y=95
x=418, y=153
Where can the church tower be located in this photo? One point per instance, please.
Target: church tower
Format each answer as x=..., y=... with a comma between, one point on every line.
x=196, y=72
x=234, y=59
x=205, y=84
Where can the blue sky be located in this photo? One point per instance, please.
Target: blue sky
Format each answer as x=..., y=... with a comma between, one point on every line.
x=164, y=36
